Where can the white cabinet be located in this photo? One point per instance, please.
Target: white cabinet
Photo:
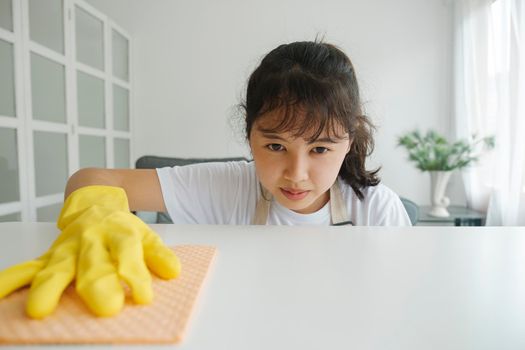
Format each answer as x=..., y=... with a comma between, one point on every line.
x=65, y=101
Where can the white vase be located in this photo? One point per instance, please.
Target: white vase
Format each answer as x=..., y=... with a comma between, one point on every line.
x=439, y=181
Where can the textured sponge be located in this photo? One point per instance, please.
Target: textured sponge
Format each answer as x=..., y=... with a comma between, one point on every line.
x=163, y=321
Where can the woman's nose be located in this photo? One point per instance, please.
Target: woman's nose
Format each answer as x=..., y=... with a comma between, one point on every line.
x=296, y=169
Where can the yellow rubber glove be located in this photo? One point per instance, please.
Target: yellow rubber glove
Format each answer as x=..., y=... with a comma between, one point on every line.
x=101, y=243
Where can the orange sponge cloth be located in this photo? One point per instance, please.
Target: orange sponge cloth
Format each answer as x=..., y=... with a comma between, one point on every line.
x=163, y=321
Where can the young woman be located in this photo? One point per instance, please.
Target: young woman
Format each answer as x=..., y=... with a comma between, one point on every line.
x=309, y=140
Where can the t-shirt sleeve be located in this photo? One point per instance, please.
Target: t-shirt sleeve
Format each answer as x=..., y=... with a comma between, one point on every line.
x=396, y=214
x=208, y=193
x=388, y=209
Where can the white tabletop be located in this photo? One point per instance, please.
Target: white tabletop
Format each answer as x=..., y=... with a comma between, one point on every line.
x=342, y=287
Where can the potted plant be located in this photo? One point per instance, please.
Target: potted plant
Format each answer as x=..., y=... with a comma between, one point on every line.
x=434, y=153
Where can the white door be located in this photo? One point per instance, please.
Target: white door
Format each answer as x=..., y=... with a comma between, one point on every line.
x=70, y=101
x=12, y=137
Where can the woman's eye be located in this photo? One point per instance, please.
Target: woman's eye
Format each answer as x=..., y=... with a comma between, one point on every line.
x=275, y=147
x=320, y=150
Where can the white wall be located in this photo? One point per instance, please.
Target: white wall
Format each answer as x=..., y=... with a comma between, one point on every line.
x=191, y=61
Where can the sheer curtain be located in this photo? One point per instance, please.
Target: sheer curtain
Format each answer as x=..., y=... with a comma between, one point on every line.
x=489, y=95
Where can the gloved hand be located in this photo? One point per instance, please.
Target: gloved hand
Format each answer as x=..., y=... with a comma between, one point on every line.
x=101, y=243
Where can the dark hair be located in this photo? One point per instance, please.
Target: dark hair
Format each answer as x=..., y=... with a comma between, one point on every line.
x=318, y=81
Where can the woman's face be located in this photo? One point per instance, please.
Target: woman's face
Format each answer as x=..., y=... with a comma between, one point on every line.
x=298, y=173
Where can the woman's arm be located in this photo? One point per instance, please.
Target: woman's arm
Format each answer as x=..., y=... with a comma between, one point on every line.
x=141, y=185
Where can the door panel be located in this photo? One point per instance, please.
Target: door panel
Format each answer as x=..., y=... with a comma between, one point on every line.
x=120, y=108
x=51, y=165
x=92, y=151
x=6, y=15
x=48, y=213
x=121, y=153
x=9, y=173
x=11, y=217
x=90, y=92
x=7, y=82
x=120, y=56
x=90, y=39
x=46, y=23
x=48, y=89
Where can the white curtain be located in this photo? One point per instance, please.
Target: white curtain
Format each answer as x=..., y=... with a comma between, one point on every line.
x=489, y=95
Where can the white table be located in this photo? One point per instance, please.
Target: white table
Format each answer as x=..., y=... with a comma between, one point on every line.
x=342, y=288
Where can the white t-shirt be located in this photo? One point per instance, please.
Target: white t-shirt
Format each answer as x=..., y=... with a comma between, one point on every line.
x=227, y=193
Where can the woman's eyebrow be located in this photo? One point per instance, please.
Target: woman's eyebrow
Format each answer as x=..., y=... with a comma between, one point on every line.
x=323, y=139
x=272, y=136
x=326, y=139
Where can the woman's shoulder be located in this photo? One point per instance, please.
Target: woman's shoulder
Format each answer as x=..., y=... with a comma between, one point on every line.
x=233, y=169
x=379, y=192
x=214, y=166
x=205, y=174
x=233, y=164
x=371, y=194
x=380, y=206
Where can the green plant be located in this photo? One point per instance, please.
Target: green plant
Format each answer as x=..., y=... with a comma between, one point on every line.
x=433, y=152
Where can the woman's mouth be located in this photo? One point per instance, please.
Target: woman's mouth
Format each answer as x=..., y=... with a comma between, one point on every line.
x=294, y=195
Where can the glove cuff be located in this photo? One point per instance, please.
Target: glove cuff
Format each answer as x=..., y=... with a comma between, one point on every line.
x=109, y=197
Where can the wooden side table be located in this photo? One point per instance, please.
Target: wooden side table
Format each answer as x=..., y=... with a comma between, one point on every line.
x=459, y=216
